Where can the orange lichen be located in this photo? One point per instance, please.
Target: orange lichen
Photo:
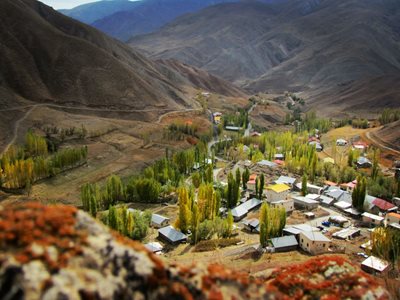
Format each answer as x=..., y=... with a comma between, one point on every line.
x=45, y=226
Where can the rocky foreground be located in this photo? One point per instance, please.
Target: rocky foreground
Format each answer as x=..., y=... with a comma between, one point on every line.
x=60, y=252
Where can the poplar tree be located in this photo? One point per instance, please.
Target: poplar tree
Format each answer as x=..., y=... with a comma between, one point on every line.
x=304, y=185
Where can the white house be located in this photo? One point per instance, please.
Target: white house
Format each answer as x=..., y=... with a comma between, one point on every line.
x=314, y=242
x=341, y=142
x=375, y=265
x=287, y=204
x=305, y=203
x=392, y=218
x=277, y=192
x=372, y=219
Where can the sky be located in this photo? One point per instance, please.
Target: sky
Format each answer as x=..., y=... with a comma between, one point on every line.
x=59, y=4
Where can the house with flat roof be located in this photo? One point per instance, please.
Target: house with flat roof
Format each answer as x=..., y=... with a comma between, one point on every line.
x=267, y=163
x=277, y=192
x=347, y=233
x=305, y=203
x=339, y=220
x=342, y=205
x=170, y=235
x=284, y=243
x=288, y=205
x=326, y=201
x=375, y=265
x=372, y=219
x=318, y=146
x=297, y=229
x=290, y=181
x=158, y=221
x=251, y=225
x=154, y=247
x=241, y=211
x=311, y=188
x=279, y=156
x=314, y=242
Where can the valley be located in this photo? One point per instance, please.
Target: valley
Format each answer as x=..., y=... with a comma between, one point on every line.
x=257, y=140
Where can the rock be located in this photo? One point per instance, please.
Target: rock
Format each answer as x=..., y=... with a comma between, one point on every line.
x=59, y=252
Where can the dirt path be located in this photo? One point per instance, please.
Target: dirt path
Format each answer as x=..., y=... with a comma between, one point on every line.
x=378, y=142
x=34, y=106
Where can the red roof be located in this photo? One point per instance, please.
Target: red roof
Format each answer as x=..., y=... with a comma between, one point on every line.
x=279, y=162
x=330, y=183
x=382, y=204
x=360, y=144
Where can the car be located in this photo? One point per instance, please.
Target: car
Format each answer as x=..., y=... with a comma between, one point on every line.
x=362, y=254
x=326, y=223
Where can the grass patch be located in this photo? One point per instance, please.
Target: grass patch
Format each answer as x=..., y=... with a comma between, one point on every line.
x=211, y=245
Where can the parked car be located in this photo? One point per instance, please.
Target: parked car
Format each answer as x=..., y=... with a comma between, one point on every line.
x=326, y=223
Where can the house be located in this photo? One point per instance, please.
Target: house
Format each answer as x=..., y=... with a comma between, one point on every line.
x=267, y=163
x=342, y=205
x=392, y=218
x=255, y=133
x=372, y=219
x=314, y=242
x=375, y=265
x=363, y=162
x=317, y=145
x=349, y=187
x=232, y=128
x=170, y=235
x=341, y=142
x=347, y=233
x=154, y=247
x=285, y=243
x=314, y=197
x=353, y=212
x=330, y=183
x=217, y=117
x=384, y=206
x=361, y=146
x=290, y=181
x=279, y=156
x=251, y=185
x=311, y=188
x=326, y=201
x=158, y=221
x=251, y=224
x=305, y=203
x=297, y=229
x=277, y=192
x=339, y=220
x=240, y=211
x=288, y=205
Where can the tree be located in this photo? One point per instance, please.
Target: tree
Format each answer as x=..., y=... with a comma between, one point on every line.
x=245, y=178
x=184, y=215
x=350, y=158
x=359, y=193
x=238, y=176
x=196, y=179
x=195, y=223
x=261, y=187
x=114, y=191
x=304, y=185
x=141, y=223
x=375, y=163
x=229, y=224
x=112, y=218
x=264, y=220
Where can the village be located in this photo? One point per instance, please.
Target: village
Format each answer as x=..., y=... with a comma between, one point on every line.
x=320, y=218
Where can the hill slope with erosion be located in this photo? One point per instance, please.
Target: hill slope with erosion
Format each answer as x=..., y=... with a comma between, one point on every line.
x=342, y=55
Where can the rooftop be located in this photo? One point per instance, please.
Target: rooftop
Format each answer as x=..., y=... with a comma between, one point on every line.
x=285, y=241
x=172, y=234
x=158, y=219
x=372, y=216
x=315, y=236
x=278, y=188
x=286, y=180
x=375, y=263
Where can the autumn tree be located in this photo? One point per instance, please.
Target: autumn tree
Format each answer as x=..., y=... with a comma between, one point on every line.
x=184, y=215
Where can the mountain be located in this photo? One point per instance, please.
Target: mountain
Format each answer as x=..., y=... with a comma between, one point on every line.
x=150, y=15
x=91, y=12
x=48, y=57
x=331, y=51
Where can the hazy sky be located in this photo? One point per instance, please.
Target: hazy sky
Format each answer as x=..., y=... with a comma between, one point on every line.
x=58, y=4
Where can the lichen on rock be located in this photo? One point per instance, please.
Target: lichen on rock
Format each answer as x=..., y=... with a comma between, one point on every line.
x=59, y=252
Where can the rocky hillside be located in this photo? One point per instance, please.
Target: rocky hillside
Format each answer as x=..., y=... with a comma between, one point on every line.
x=150, y=15
x=343, y=55
x=47, y=57
x=59, y=252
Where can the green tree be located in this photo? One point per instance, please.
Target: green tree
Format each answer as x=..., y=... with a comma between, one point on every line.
x=184, y=215
x=261, y=187
x=350, y=158
x=195, y=221
x=113, y=218
x=114, y=191
x=264, y=220
x=196, y=179
x=359, y=193
x=245, y=178
x=304, y=185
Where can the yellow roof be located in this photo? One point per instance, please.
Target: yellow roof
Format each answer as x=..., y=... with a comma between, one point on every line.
x=278, y=188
